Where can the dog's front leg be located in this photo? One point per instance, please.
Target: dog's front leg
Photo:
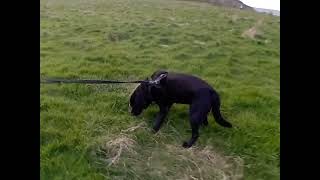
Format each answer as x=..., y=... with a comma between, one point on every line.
x=164, y=109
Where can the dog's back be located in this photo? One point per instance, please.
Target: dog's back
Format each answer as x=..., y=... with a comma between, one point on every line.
x=181, y=88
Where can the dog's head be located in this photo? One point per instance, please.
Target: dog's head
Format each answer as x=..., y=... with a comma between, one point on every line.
x=145, y=93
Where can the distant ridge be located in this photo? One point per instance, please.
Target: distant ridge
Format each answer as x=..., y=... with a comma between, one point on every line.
x=227, y=3
x=268, y=11
x=231, y=3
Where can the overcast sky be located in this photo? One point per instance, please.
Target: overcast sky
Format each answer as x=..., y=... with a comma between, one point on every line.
x=265, y=4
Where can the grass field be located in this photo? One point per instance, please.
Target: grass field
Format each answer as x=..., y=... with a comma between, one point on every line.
x=86, y=130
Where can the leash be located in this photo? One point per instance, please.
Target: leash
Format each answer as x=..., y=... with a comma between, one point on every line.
x=93, y=81
x=86, y=81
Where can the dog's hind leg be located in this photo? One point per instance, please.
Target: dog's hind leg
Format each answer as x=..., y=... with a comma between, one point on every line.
x=205, y=121
x=164, y=109
x=199, y=110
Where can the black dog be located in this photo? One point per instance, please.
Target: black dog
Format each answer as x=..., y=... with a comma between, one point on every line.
x=168, y=88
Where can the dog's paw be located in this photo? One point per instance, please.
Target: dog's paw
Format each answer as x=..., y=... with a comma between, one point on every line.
x=225, y=123
x=206, y=123
x=186, y=145
x=154, y=130
x=228, y=125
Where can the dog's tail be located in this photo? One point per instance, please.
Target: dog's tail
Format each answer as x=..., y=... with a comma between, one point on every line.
x=216, y=111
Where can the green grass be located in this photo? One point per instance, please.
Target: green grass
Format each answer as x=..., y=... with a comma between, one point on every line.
x=81, y=125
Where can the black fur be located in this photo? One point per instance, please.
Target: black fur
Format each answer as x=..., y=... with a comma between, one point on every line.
x=182, y=89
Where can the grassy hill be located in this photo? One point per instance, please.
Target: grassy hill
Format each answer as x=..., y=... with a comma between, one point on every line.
x=86, y=130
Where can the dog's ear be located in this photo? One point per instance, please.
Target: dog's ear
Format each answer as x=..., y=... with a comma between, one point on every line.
x=155, y=91
x=132, y=97
x=144, y=86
